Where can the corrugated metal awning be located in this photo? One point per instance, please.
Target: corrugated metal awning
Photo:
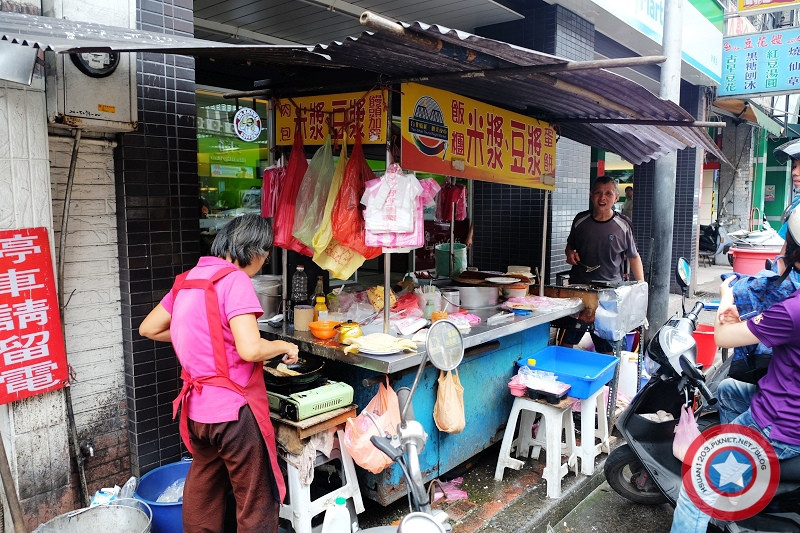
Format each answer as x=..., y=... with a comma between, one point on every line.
x=595, y=107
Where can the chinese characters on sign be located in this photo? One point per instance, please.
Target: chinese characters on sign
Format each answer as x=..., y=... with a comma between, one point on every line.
x=763, y=64
x=32, y=356
x=344, y=112
x=444, y=133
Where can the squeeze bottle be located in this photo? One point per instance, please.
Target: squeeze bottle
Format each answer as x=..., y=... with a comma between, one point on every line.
x=337, y=518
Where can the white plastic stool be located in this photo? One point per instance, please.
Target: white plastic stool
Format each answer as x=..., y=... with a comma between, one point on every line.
x=590, y=448
x=300, y=509
x=555, y=420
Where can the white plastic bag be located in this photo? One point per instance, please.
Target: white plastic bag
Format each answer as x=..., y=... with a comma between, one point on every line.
x=685, y=433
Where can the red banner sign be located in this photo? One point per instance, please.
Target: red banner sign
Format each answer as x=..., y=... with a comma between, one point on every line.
x=32, y=355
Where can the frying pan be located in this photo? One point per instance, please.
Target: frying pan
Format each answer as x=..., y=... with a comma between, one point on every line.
x=309, y=366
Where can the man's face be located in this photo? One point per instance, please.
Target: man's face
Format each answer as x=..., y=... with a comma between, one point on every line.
x=604, y=195
x=796, y=173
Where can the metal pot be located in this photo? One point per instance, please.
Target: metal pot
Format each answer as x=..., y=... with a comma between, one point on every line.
x=268, y=291
x=348, y=330
x=309, y=366
x=477, y=297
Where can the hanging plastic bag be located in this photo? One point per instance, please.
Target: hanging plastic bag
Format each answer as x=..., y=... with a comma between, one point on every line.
x=284, y=211
x=339, y=260
x=685, y=433
x=270, y=189
x=313, y=194
x=383, y=410
x=448, y=412
x=347, y=218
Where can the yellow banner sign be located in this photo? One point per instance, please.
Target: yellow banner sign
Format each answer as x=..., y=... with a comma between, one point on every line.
x=771, y=5
x=444, y=133
x=346, y=113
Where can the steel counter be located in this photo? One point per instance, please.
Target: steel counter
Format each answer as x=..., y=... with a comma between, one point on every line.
x=388, y=364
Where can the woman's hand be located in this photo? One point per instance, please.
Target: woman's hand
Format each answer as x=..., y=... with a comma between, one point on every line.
x=291, y=353
x=727, y=312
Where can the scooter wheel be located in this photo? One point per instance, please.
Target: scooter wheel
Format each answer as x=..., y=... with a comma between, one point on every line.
x=628, y=477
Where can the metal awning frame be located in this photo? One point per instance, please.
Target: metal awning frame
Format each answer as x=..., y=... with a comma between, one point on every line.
x=583, y=100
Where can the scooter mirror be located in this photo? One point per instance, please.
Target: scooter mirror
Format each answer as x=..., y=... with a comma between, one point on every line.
x=445, y=345
x=683, y=273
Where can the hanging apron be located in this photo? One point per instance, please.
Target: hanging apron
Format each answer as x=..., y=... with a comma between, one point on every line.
x=254, y=392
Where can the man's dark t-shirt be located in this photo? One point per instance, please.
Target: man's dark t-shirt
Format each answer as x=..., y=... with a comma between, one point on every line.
x=608, y=244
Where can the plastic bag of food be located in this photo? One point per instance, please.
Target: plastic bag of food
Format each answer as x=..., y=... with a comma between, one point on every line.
x=383, y=412
x=347, y=217
x=284, y=211
x=313, y=194
x=375, y=296
x=685, y=433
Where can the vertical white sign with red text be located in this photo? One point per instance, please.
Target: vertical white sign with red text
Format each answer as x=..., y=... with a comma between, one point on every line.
x=32, y=355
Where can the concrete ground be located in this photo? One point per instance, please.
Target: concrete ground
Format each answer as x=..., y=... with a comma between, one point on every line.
x=519, y=502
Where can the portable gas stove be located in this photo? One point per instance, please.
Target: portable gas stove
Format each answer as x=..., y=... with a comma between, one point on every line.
x=300, y=405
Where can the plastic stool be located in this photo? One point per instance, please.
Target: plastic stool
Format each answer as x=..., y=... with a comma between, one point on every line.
x=555, y=420
x=590, y=448
x=300, y=509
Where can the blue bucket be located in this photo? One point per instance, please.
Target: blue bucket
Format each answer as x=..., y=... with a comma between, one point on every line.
x=167, y=516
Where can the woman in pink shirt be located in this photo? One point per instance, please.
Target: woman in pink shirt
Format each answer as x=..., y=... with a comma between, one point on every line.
x=209, y=316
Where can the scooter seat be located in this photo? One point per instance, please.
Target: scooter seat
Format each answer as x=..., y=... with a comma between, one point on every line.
x=790, y=469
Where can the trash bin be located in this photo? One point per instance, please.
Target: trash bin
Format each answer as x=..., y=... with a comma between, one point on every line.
x=167, y=516
x=751, y=260
x=706, y=347
x=442, y=253
x=120, y=516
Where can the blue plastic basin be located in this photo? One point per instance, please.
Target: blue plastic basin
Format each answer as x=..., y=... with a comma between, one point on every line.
x=586, y=371
x=167, y=516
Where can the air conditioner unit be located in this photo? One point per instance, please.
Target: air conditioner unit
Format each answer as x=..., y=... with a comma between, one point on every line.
x=92, y=91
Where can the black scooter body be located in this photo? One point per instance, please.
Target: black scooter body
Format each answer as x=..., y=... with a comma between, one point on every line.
x=652, y=444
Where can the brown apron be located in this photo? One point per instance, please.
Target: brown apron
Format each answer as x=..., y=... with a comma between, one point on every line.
x=254, y=392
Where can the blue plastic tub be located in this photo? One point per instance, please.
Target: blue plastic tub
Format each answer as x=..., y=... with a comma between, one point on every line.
x=587, y=372
x=167, y=516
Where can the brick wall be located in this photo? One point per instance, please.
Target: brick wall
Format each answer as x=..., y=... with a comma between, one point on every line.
x=157, y=195
x=92, y=316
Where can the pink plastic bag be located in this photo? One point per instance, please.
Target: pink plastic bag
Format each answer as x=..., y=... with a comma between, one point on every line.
x=685, y=433
x=385, y=409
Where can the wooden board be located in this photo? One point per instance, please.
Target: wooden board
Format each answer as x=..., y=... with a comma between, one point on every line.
x=587, y=296
x=315, y=424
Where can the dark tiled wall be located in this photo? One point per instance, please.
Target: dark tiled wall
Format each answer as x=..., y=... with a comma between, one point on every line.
x=157, y=211
x=508, y=219
x=687, y=190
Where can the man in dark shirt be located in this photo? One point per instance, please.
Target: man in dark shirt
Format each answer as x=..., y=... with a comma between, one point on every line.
x=598, y=246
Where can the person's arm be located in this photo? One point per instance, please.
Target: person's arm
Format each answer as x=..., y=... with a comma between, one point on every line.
x=729, y=331
x=156, y=325
x=637, y=269
x=252, y=347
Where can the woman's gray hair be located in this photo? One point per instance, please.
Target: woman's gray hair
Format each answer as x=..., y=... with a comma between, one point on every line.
x=243, y=238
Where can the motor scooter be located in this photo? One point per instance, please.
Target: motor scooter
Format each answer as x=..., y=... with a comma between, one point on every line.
x=444, y=347
x=644, y=470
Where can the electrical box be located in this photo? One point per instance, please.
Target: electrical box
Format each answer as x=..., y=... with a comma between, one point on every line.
x=92, y=91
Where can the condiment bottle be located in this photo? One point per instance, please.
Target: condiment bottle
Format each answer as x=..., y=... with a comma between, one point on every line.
x=429, y=308
x=319, y=307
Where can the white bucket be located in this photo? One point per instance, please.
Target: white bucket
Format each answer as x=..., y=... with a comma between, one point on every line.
x=628, y=372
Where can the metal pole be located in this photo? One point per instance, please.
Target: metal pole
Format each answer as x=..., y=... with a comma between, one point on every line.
x=544, y=241
x=387, y=256
x=662, y=215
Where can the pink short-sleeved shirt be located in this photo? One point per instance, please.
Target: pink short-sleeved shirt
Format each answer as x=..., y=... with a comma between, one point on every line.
x=192, y=341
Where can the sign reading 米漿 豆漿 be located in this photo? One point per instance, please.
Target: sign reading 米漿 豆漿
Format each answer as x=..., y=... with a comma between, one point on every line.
x=761, y=65
x=445, y=133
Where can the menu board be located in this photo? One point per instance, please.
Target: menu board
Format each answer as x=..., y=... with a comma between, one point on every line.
x=32, y=355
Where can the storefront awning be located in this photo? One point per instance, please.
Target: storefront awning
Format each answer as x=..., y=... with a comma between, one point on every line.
x=585, y=103
x=745, y=109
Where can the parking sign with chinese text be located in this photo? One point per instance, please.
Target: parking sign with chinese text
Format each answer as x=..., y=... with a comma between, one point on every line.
x=32, y=355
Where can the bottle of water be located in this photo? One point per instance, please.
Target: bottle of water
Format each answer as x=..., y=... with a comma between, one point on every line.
x=337, y=518
x=299, y=287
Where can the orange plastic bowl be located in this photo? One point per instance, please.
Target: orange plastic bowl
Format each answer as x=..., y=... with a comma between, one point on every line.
x=323, y=329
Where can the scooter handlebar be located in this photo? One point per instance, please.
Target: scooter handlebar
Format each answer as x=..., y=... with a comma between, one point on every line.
x=705, y=392
x=695, y=312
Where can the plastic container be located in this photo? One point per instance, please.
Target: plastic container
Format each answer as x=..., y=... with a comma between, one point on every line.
x=751, y=260
x=119, y=516
x=628, y=372
x=167, y=516
x=587, y=372
x=337, y=518
x=706, y=347
x=443, y=259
